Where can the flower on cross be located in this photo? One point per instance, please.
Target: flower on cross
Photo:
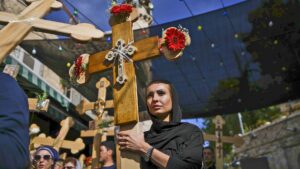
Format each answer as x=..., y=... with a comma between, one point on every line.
x=173, y=42
x=121, y=9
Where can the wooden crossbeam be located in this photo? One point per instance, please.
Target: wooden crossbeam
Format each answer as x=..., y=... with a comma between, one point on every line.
x=85, y=105
x=92, y=133
x=59, y=142
x=101, y=102
x=147, y=49
x=66, y=124
x=19, y=26
x=236, y=140
x=74, y=146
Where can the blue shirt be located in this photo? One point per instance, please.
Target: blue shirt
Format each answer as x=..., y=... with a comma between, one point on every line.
x=14, y=124
x=109, y=167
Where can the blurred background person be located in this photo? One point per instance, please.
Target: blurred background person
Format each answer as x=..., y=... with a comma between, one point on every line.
x=209, y=158
x=107, y=155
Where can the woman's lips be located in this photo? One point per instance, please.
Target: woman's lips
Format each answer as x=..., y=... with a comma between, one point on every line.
x=156, y=107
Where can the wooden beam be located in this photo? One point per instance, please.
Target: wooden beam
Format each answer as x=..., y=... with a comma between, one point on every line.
x=92, y=133
x=147, y=49
x=236, y=140
x=15, y=32
x=85, y=105
x=74, y=146
x=59, y=142
x=66, y=124
x=19, y=26
x=83, y=31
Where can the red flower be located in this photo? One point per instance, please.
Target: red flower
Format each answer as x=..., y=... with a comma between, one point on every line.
x=88, y=161
x=121, y=9
x=175, y=39
x=78, y=66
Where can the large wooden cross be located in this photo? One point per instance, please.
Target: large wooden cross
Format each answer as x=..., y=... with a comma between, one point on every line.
x=20, y=25
x=125, y=95
x=59, y=142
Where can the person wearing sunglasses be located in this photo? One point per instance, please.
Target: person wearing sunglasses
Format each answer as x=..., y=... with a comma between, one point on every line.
x=45, y=157
x=72, y=163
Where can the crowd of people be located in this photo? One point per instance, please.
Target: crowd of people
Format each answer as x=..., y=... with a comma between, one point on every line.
x=169, y=144
x=46, y=157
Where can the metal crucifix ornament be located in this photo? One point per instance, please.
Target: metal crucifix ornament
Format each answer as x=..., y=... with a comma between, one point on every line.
x=121, y=52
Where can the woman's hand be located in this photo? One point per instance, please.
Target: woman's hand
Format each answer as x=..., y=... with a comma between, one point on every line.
x=133, y=142
x=136, y=142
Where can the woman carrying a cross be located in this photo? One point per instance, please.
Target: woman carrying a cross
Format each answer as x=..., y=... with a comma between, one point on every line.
x=169, y=143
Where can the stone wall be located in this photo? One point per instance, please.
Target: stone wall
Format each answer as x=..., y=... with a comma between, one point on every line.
x=278, y=141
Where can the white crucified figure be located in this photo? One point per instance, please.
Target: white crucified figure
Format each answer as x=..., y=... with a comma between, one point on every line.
x=121, y=52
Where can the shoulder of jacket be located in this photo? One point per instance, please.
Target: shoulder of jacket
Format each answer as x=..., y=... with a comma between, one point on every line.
x=191, y=126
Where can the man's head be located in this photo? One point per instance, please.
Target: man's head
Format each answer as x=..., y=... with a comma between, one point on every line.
x=208, y=154
x=107, y=152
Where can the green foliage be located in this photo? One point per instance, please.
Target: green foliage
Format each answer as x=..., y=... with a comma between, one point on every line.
x=41, y=96
x=274, y=39
x=230, y=83
x=256, y=118
x=105, y=124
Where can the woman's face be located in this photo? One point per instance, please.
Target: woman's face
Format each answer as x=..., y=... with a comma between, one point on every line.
x=43, y=160
x=159, y=100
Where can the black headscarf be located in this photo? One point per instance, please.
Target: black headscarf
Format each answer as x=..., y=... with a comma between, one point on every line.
x=158, y=124
x=182, y=141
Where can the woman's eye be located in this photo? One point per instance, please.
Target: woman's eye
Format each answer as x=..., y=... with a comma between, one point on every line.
x=161, y=92
x=149, y=95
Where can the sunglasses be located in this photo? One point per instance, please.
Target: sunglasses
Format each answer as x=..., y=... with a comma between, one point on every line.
x=45, y=157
